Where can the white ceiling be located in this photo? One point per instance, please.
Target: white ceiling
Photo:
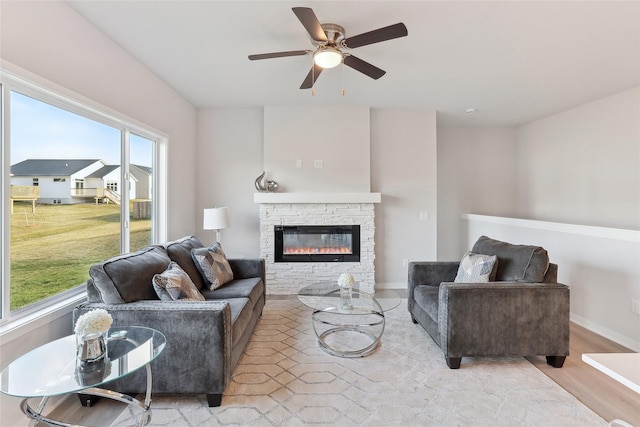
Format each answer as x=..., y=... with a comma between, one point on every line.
x=513, y=61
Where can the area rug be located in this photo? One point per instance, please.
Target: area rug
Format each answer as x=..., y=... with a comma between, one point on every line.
x=285, y=379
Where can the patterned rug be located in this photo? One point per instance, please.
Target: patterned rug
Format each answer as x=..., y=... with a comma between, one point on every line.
x=285, y=379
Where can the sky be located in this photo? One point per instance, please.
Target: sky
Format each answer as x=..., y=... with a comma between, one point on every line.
x=42, y=131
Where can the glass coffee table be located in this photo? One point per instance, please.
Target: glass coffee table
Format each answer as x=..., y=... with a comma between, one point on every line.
x=347, y=329
x=53, y=369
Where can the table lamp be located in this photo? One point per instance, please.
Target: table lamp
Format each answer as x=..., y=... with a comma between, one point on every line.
x=216, y=219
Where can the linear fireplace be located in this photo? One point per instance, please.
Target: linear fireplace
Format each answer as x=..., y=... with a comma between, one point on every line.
x=317, y=243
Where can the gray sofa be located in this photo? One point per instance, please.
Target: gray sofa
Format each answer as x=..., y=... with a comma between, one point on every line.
x=205, y=339
x=520, y=311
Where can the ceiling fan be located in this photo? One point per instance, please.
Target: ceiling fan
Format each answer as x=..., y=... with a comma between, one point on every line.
x=330, y=45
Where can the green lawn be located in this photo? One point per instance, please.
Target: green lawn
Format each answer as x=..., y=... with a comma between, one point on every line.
x=53, y=251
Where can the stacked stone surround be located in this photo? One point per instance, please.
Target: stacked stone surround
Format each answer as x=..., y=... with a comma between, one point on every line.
x=285, y=278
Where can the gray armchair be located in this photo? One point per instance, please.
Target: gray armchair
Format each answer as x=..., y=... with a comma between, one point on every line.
x=522, y=312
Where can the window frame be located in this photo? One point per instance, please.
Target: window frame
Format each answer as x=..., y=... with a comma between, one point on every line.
x=48, y=92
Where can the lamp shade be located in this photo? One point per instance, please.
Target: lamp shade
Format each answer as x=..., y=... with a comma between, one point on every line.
x=216, y=219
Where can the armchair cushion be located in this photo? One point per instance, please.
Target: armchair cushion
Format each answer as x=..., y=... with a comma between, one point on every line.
x=174, y=284
x=516, y=263
x=127, y=278
x=477, y=268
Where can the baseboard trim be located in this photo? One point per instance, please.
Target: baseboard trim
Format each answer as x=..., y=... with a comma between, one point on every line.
x=391, y=285
x=606, y=333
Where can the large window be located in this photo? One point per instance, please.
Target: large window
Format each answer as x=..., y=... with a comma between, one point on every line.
x=81, y=190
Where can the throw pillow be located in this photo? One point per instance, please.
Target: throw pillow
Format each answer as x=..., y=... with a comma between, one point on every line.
x=476, y=268
x=213, y=265
x=174, y=284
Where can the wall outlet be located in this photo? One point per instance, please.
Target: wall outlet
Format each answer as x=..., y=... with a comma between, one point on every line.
x=318, y=164
x=299, y=163
x=635, y=306
x=424, y=216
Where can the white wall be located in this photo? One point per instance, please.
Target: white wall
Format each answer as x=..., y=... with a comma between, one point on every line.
x=402, y=168
x=404, y=171
x=48, y=41
x=336, y=136
x=476, y=173
x=229, y=158
x=582, y=166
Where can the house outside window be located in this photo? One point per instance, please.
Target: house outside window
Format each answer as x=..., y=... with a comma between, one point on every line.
x=51, y=246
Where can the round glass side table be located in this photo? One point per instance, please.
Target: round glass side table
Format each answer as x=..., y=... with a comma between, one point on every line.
x=53, y=369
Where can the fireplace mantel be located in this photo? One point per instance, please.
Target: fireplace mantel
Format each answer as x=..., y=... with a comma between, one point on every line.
x=264, y=198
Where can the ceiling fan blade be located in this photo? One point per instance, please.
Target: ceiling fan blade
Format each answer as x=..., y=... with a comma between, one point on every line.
x=364, y=67
x=279, y=54
x=312, y=77
x=310, y=23
x=376, y=36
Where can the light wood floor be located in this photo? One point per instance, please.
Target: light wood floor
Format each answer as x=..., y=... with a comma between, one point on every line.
x=603, y=395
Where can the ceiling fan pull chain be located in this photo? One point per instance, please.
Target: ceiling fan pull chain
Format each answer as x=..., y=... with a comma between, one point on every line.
x=313, y=77
x=342, y=78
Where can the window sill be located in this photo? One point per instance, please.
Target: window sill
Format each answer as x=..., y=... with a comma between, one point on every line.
x=16, y=328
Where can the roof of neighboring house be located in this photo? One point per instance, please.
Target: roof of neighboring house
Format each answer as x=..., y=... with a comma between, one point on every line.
x=106, y=170
x=50, y=167
x=145, y=169
x=103, y=171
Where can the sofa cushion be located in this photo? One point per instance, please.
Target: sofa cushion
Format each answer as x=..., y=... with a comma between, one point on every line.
x=427, y=298
x=252, y=288
x=174, y=284
x=213, y=265
x=477, y=268
x=241, y=314
x=516, y=263
x=180, y=252
x=128, y=278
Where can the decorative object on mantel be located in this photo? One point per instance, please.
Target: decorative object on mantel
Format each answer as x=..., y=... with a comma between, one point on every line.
x=91, y=329
x=345, y=282
x=264, y=185
x=216, y=219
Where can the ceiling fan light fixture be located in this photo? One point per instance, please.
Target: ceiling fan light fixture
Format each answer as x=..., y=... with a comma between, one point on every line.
x=327, y=57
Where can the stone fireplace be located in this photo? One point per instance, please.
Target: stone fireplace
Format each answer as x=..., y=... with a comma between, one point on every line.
x=314, y=210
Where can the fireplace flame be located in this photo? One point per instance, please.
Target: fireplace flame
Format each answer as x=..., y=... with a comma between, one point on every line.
x=313, y=250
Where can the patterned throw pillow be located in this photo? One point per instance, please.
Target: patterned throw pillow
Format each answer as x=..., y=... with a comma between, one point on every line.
x=213, y=265
x=174, y=284
x=476, y=268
